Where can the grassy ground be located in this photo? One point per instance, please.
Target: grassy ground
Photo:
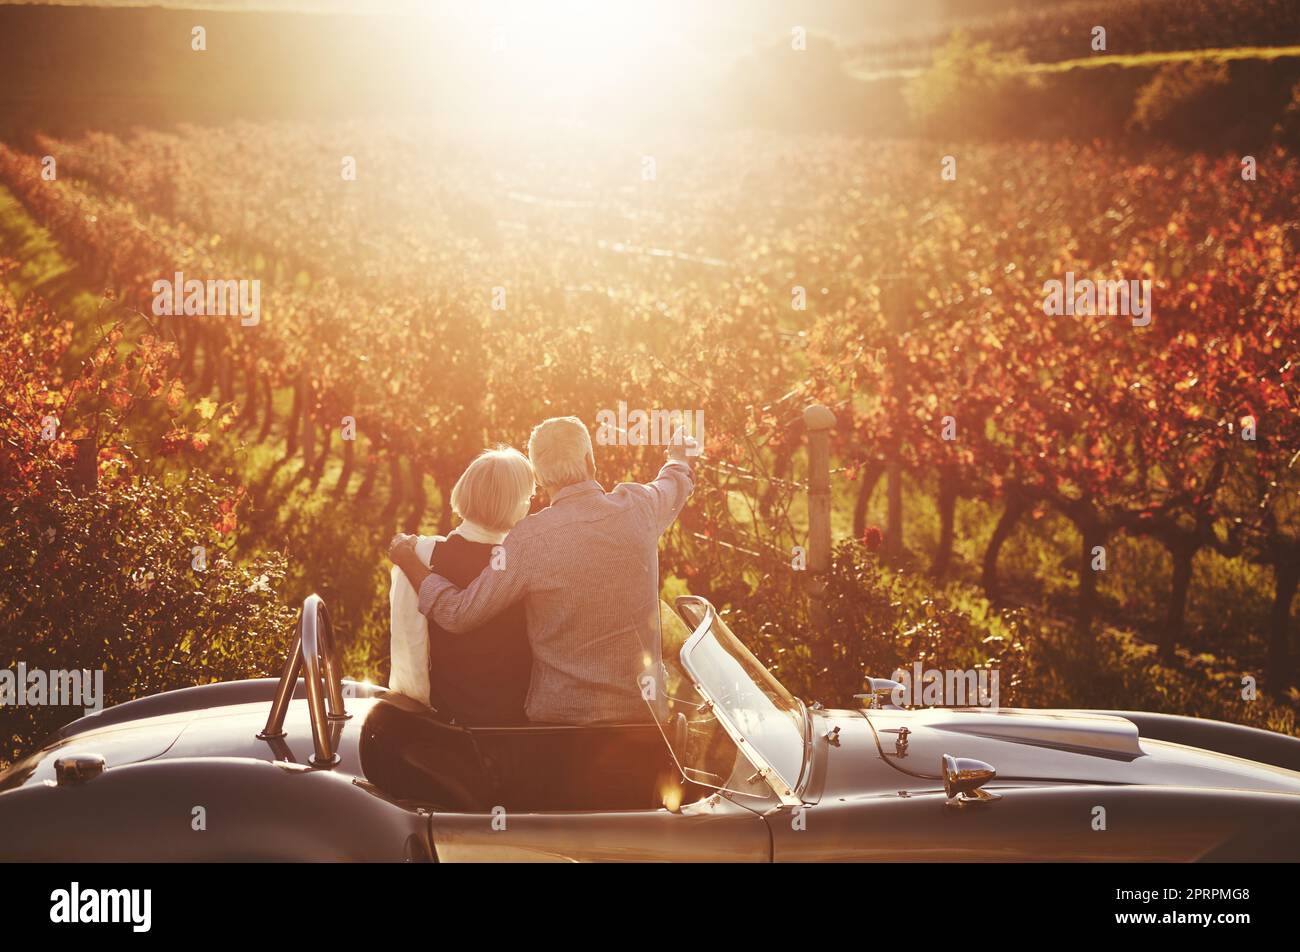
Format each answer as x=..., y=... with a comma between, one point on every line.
x=1227, y=608
x=44, y=270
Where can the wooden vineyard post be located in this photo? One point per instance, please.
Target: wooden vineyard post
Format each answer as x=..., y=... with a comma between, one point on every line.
x=897, y=302
x=308, y=422
x=818, y=421
x=85, y=467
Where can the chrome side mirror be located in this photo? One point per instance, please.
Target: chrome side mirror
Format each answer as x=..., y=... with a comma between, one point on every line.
x=881, y=694
x=963, y=778
x=77, y=768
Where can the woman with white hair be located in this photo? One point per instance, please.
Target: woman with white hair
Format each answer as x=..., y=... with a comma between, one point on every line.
x=480, y=677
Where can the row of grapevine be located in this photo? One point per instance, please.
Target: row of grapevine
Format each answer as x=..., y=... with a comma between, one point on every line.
x=744, y=275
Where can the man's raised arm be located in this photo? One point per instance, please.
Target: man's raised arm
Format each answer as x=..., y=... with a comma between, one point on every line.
x=669, y=490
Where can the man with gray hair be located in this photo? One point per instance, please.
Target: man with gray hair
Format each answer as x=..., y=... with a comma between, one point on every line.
x=587, y=570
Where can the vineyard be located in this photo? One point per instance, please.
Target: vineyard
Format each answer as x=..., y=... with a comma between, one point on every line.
x=456, y=291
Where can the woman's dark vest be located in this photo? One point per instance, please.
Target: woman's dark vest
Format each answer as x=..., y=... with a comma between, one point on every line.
x=477, y=677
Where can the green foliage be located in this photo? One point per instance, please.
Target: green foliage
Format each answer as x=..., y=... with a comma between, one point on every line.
x=1130, y=677
x=877, y=620
x=341, y=558
x=103, y=566
x=106, y=582
x=970, y=90
x=1287, y=129
x=1177, y=92
x=880, y=619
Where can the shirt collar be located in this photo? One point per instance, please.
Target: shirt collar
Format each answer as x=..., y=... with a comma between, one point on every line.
x=577, y=489
x=473, y=532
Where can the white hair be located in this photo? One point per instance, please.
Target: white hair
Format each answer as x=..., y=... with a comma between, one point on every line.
x=495, y=490
x=559, y=448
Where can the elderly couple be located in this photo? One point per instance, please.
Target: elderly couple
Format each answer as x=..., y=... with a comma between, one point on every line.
x=548, y=618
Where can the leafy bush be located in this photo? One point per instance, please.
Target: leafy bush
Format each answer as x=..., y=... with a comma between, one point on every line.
x=877, y=620
x=970, y=90
x=339, y=555
x=1287, y=129
x=106, y=582
x=1130, y=677
x=880, y=619
x=99, y=561
x=1177, y=95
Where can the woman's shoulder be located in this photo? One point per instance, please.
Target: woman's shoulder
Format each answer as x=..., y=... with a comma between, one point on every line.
x=424, y=546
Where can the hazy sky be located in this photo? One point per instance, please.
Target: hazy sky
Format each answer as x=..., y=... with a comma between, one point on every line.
x=740, y=20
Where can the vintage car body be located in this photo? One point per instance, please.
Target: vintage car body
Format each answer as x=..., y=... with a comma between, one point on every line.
x=739, y=771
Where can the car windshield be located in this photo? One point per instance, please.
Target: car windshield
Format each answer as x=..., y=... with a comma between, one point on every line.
x=762, y=717
x=701, y=746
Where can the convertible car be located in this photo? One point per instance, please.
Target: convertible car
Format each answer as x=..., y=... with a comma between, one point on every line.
x=728, y=767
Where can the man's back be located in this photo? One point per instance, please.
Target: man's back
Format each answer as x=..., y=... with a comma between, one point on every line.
x=593, y=619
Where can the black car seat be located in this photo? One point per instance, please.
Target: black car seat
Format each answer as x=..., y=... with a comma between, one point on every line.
x=410, y=755
x=598, y=767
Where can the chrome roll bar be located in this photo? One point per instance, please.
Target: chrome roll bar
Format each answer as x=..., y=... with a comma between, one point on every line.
x=313, y=650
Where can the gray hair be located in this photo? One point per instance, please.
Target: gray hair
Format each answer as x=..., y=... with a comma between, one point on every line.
x=558, y=448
